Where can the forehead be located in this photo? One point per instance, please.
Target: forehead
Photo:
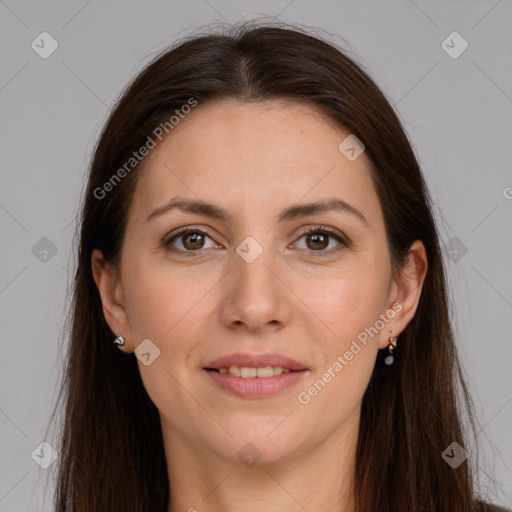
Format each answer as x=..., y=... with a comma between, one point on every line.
x=252, y=155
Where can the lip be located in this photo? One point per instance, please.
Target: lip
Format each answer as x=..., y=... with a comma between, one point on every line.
x=255, y=387
x=255, y=361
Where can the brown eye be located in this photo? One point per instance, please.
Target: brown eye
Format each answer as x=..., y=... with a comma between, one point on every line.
x=193, y=240
x=317, y=241
x=189, y=240
x=321, y=240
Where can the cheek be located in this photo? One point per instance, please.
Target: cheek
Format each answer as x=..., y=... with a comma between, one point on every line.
x=346, y=302
x=350, y=308
x=351, y=305
x=166, y=308
x=169, y=306
x=156, y=300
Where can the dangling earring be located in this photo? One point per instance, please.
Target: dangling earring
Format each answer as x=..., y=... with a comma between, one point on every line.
x=390, y=358
x=119, y=341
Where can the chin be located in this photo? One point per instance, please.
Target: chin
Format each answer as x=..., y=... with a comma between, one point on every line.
x=264, y=442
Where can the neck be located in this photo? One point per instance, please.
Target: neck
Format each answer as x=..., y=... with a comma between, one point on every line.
x=317, y=480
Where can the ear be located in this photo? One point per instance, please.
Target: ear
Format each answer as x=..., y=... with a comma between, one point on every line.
x=110, y=288
x=405, y=292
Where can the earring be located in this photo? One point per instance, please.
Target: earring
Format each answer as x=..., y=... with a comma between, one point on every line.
x=119, y=341
x=390, y=359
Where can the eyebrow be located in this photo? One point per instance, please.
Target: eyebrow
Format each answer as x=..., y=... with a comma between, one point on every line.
x=292, y=212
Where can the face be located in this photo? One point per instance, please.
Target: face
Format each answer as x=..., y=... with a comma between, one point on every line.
x=256, y=280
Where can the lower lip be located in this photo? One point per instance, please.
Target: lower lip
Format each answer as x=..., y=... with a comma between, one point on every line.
x=255, y=387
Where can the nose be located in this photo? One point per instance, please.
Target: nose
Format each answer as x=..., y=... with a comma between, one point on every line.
x=255, y=297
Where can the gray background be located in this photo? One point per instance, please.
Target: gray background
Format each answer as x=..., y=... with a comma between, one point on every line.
x=456, y=110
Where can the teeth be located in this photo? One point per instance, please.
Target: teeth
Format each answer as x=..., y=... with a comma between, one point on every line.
x=234, y=370
x=248, y=373
x=268, y=371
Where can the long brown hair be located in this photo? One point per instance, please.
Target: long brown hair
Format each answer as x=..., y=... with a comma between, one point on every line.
x=111, y=449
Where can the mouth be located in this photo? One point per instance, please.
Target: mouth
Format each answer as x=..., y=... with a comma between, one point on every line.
x=247, y=372
x=255, y=376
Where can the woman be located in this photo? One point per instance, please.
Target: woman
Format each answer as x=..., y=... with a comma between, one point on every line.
x=257, y=240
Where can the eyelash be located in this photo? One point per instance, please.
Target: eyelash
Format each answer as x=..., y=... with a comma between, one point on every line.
x=324, y=230
x=344, y=242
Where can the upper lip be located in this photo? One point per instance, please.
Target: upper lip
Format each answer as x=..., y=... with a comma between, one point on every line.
x=255, y=361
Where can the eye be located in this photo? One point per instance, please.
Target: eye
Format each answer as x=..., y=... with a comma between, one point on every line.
x=318, y=239
x=189, y=240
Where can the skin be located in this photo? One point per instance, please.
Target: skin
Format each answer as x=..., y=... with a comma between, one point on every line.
x=254, y=160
